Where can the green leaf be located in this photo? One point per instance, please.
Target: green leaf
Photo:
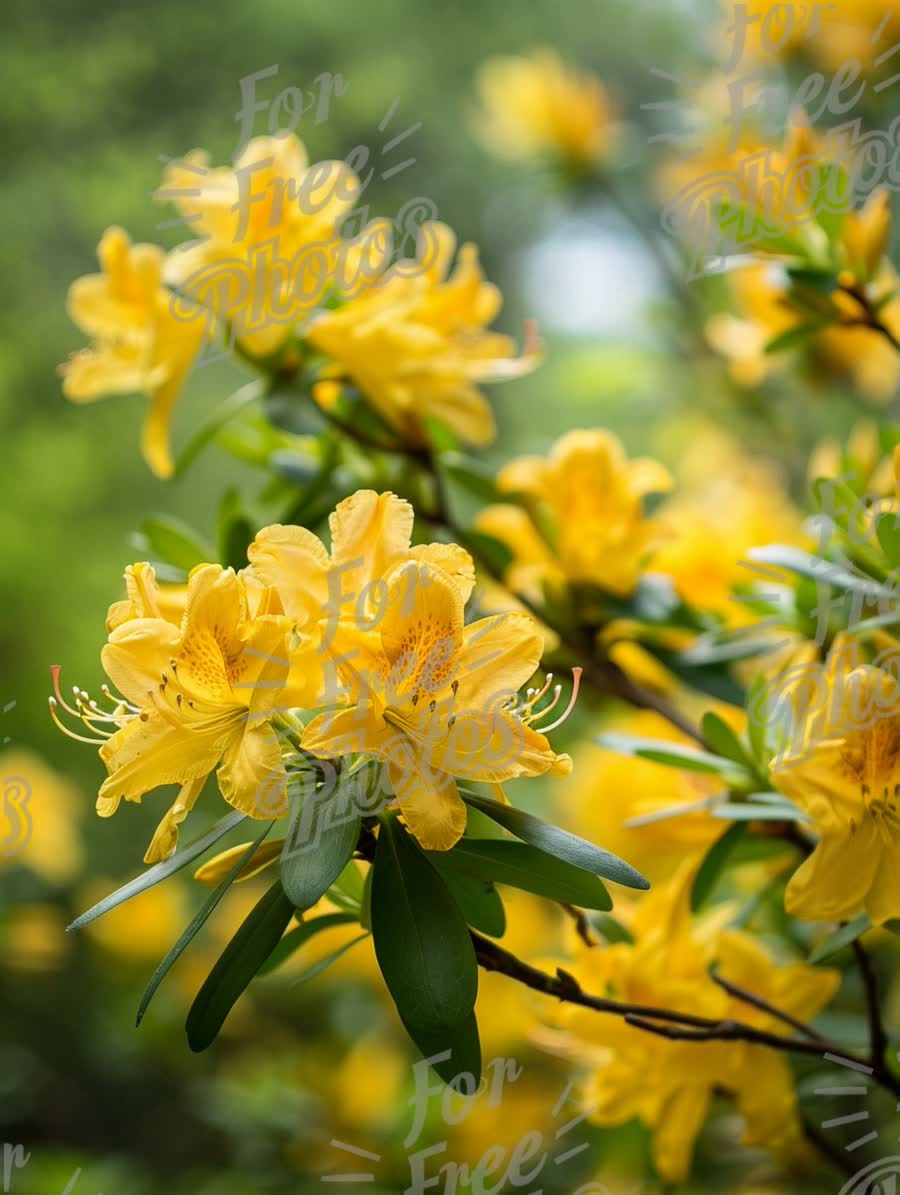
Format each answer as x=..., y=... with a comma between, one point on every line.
x=725, y=742
x=611, y=929
x=454, y=1052
x=239, y=962
x=176, y=543
x=489, y=551
x=559, y=843
x=291, y=942
x=347, y=890
x=325, y=963
x=422, y=943
x=202, y=916
x=472, y=476
x=757, y=721
x=749, y=811
x=747, y=229
x=817, y=569
x=887, y=528
x=225, y=411
x=236, y=531
x=311, y=864
x=478, y=899
x=161, y=871
x=713, y=865
x=661, y=751
x=841, y=937
x=530, y=869
x=793, y=337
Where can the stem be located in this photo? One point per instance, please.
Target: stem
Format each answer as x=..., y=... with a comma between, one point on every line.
x=870, y=317
x=878, y=1039
x=758, y=1002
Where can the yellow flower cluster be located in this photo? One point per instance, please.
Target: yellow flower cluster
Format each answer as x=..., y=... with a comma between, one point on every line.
x=374, y=630
x=274, y=273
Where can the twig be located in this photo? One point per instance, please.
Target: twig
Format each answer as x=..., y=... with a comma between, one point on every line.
x=582, y=925
x=758, y=1002
x=878, y=1039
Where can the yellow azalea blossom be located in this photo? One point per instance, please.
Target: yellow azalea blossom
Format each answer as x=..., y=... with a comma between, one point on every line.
x=338, y=598
x=538, y=104
x=201, y=695
x=417, y=343
x=845, y=776
x=668, y=1084
x=38, y=824
x=140, y=344
x=587, y=500
x=265, y=229
x=727, y=503
x=439, y=702
x=34, y=937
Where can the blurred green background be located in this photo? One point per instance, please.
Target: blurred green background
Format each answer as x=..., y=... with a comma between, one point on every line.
x=96, y=95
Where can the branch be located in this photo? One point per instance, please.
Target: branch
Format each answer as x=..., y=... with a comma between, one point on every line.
x=758, y=1002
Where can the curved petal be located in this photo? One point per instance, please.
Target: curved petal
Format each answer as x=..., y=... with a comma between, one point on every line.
x=252, y=775
x=295, y=562
x=499, y=654
x=429, y=802
x=834, y=883
x=370, y=533
x=149, y=752
x=680, y=1121
x=165, y=840
x=137, y=655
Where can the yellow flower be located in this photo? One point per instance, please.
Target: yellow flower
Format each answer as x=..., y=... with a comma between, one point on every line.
x=537, y=104
x=837, y=33
x=845, y=775
x=139, y=342
x=41, y=810
x=439, y=701
x=718, y=515
x=199, y=695
x=417, y=343
x=669, y=1084
x=587, y=499
x=338, y=597
x=272, y=207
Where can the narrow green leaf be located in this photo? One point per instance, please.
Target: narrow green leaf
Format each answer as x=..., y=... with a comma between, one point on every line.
x=530, y=869
x=752, y=812
x=325, y=963
x=672, y=754
x=230, y=407
x=295, y=938
x=422, y=943
x=239, y=962
x=887, y=528
x=161, y=871
x=713, y=865
x=472, y=476
x=841, y=937
x=347, y=890
x=559, y=843
x=793, y=337
x=725, y=742
x=490, y=551
x=201, y=918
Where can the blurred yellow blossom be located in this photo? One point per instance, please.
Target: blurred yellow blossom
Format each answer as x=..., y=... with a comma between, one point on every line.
x=583, y=520
x=669, y=1084
x=417, y=343
x=41, y=810
x=538, y=104
x=140, y=345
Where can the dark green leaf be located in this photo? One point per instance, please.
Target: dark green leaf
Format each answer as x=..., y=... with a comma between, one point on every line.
x=422, y=942
x=239, y=962
x=672, y=754
x=887, y=528
x=559, y=843
x=202, y=916
x=713, y=865
x=489, y=551
x=725, y=742
x=453, y=1052
x=161, y=871
x=793, y=337
x=472, y=476
x=316, y=851
x=236, y=532
x=531, y=869
x=230, y=407
x=478, y=899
